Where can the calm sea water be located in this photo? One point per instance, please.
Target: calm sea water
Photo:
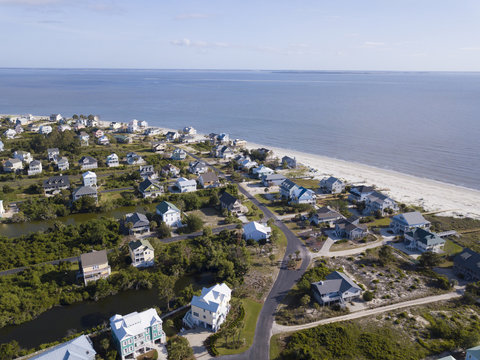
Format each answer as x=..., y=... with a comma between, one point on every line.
x=424, y=124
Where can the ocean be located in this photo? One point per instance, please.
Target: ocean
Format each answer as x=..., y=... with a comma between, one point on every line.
x=425, y=124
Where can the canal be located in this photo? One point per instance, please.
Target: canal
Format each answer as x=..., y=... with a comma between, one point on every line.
x=19, y=229
x=62, y=321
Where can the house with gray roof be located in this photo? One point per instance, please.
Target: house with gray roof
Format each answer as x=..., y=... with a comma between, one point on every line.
x=94, y=266
x=150, y=188
x=325, y=216
x=336, y=288
x=273, y=180
x=12, y=165
x=467, y=264
x=197, y=167
x=423, y=240
x=359, y=193
x=350, y=229
x=148, y=172
x=142, y=253
x=405, y=222
x=140, y=223
x=85, y=191
x=376, y=201
x=209, y=180
x=55, y=184
x=178, y=154
x=34, y=168
x=88, y=162
x=80, y=348
x=289, y=162
x=62, y=163
x=232, y=204
x=52, y=153
x=331, y=185
x=288, y=188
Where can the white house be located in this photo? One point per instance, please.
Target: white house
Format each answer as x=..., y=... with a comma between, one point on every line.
x=377, y=201
x=10, y=134
x=52, y=154
x=134, y=159
x=256, y=231
x=402, y=223
x=45, y=129
x=170, y=214
x=143, y=124
x=12, y=165
x=80, y=348
x=262, y=171
x=185, y=185
x=197, y=167
x=336, y=288
x=35, y=167
x=103, y=140
x=132, y=126
x=141, y=253
x=55, y=117
x=423, y=240
x=178, y=154
x=210, y=309
x=189, y=130
x=112, y=160
x=2, y=209
x=87, y=162
x=24, y=156
x=2, y=147
x=63, y=164
x=332, y=185
x=303, y=195
x=136, y=333
x=89, y=179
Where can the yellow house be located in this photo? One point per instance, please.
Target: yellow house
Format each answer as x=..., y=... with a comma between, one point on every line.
x=94, y=266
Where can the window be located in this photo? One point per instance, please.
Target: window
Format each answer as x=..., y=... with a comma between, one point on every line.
x=204, y=317
x=195, y=314
x=124, y=343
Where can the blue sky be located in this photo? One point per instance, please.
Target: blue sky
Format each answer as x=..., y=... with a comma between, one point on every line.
x=224, y=34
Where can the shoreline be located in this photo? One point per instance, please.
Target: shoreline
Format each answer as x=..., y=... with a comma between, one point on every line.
x=432, y=195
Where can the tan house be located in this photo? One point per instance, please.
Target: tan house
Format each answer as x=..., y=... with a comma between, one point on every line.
x=141, y=253
x=94, y=266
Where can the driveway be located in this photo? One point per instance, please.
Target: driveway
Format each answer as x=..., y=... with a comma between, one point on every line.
x=196, y=337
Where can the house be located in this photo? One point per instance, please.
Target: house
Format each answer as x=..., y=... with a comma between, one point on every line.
x=332, y=185
x=350, y=229
x=103, y=140
x=239, y=143
x=185, y=185
x=289, y=162
x=170, y=214
x=223, y=138
x=378, y=202
x=10, y=134
x=132, y=126
x=18, y=129
x=256, y=231
x=473, y=353
x=92, y=122
x=80, y=348
x=152, y=131
x=402, y=223
x=112, y=160
x=2, y=146
x=273, y=180
x=134, y=159
x=209, y=180
x=359, y=193
x=55, y=184
x=172, y=136
x=62, y=163
x=55, y=117
x=77, y=126
x=2, y=209
x=159, y=146
x=325, y=215
x=336, y=288
x=303, y=196
x=99, y=133
x=179, y=154
x=148, y=172
x=197, y=167
x=141, y=253
x=140, y=223
x=189, y=130
x=232, y=204
x=223, y=152
x=467, y=264
x=123, y=139
x=64, y=127
x=262, y=171
x=89, y=179
x=84, y=191
x=288, y=188
x=150, y=188
x=24, y=156
x=12, y=165
x=247, y=163
x=115, y=125
x=423, y=240
x=210, y=309
x=84, y=137
x=136, y=333
x=45, y=129
x=188, y=139
x=34, y=168
x=170, y=170
x=52, y=154
x=87, y=162
x=94, y=266
x=143, y=124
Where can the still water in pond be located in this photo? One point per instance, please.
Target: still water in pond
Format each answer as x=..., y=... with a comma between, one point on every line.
x=61, y=321
x=19, y=229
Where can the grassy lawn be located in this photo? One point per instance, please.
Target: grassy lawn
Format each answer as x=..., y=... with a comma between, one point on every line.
x=281, y=243
x=307, y=183
x=452, y=248
x=209, y=216
x=257, y=213
x=252, y=310
x=275, y=346
x=379, y=222
x=268, y=203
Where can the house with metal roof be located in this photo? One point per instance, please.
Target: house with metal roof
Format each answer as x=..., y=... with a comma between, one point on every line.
x=136, y=333
x=336, y=288
x=467, y=264
x=141, y=253
x=303, y=195
x=288, y=188
x=94, y=266
x=473, y=353
x=423, y=240
x=261, y=171
x=210, y=309
x=178, y=154
x=331, y=185
x=256, y=231
x=170, y=214
x=140, y=223
x=405, y=222
x=80, y=348
x=185, y=185
x=273, y=180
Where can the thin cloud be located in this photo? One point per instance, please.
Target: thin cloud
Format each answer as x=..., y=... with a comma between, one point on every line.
x=470, y=48
x=192, y=16
x=198, y=44
x=373, y=44
x=30, y=2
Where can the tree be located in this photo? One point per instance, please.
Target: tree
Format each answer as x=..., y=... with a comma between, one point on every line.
x=297, y=255
x=305, y=300
x=166, y=290
x=429, y=259
x=385, y=255
x=178, y=348
x=368, y=296
x=164, y=231
x=194, y=223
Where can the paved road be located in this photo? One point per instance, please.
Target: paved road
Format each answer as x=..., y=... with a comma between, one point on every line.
x=119, y=189
x=277, y=329
x=53, y=262
x=198, y=233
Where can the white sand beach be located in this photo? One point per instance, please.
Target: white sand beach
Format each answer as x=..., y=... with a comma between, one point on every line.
x=432, y=195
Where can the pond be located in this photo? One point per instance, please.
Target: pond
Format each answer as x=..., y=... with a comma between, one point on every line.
x=62, y=321
x=19, y=229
